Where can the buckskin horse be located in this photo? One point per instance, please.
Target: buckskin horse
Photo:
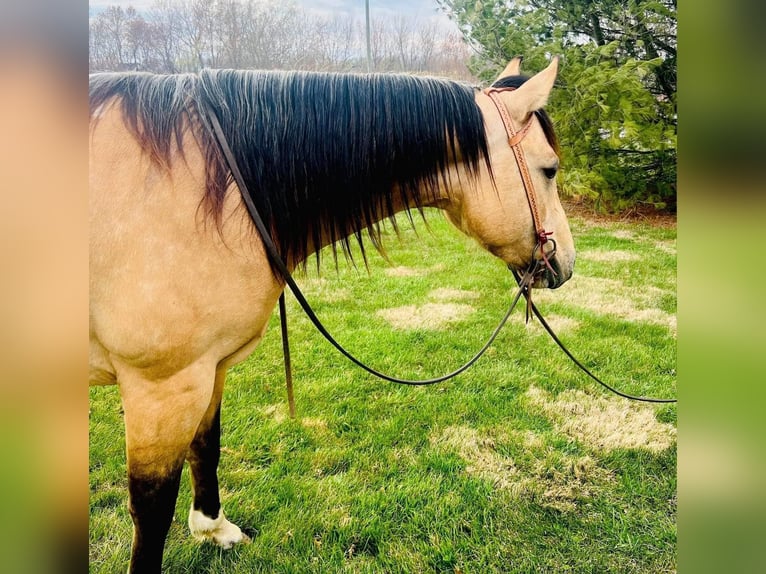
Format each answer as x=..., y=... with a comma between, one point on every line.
x=181, y=287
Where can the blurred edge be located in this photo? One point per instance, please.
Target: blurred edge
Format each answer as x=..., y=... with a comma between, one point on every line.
x=43, y=291
x=43, y=251
x=722, y=115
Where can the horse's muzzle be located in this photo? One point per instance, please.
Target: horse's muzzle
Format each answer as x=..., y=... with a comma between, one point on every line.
x=547, y=271
x=540, y=276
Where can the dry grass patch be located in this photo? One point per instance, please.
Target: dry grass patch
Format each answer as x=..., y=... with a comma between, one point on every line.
x=612, y=297
x=558, y=323
x=314, y=423
x=565, y=484
x=604, y=423
x=557, y=481
x=608, y=256
x=623, y=234
x=447, y=294
x=480, y=456
x=668, y=247
x=403, y=271
x=321, y=288
x=276, y=412
x=431, y=316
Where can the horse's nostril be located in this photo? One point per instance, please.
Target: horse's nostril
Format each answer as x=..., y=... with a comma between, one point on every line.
x=554, y=275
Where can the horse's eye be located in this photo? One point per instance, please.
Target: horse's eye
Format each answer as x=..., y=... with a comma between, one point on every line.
x=550, y=172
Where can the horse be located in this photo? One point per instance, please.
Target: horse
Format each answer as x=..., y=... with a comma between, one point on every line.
x=181, y=286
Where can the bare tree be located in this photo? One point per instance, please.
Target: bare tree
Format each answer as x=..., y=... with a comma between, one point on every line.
x=142, y=43
x=330, y=43
x=426, y=42
x=382, y=45
x=107, y=35
x=194, y=34
x=230, y=18
x=270, y=37
x=401, y=31
x=451, y=57
x=99, y=46
x=166, y=18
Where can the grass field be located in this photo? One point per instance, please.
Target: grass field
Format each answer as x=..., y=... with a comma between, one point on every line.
x=519, y=465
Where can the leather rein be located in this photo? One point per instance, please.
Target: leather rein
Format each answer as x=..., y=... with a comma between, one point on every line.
x=525, y=280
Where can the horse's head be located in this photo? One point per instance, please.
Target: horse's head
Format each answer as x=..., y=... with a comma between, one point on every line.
x=498, y=210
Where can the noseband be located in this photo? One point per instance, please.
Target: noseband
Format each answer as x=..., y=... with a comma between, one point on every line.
x=514, y=140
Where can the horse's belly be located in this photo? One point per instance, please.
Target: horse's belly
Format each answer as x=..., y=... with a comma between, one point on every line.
x=163, y=336
x=245, y=350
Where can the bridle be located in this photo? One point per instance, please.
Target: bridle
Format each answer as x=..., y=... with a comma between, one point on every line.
x=514, y=141
x=210, y=120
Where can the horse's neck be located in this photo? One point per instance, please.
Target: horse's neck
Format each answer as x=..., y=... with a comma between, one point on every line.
x=444, y=199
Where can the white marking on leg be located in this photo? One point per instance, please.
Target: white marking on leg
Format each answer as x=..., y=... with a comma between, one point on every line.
x=217, y=530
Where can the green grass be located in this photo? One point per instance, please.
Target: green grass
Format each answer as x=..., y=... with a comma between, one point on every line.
x=474, y=475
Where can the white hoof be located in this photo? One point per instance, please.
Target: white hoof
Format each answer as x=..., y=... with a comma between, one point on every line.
x=217, y=530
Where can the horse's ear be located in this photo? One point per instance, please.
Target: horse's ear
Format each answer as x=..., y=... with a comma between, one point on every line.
x=533, y=94
x=512, y=69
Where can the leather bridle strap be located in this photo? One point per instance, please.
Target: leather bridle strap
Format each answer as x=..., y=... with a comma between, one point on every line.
x=525, y=282
x=514, y=140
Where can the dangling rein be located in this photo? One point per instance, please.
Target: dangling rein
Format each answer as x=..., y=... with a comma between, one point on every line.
x=209, y=118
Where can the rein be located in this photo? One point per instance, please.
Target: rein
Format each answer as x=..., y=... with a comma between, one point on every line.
x=526, y=288
x=525, y=281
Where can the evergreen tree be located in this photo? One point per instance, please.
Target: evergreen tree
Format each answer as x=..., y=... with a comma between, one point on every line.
x=615, y=107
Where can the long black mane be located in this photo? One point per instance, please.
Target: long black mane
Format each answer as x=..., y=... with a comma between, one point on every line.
x=322, y=154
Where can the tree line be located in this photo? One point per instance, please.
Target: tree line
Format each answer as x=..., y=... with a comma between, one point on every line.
x=187, y=35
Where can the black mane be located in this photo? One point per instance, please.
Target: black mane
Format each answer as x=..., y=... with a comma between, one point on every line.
x=322, y=154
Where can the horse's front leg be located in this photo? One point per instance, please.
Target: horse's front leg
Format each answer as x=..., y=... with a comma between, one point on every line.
x=161, y=418
x=152, y=502
x=206, y=518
